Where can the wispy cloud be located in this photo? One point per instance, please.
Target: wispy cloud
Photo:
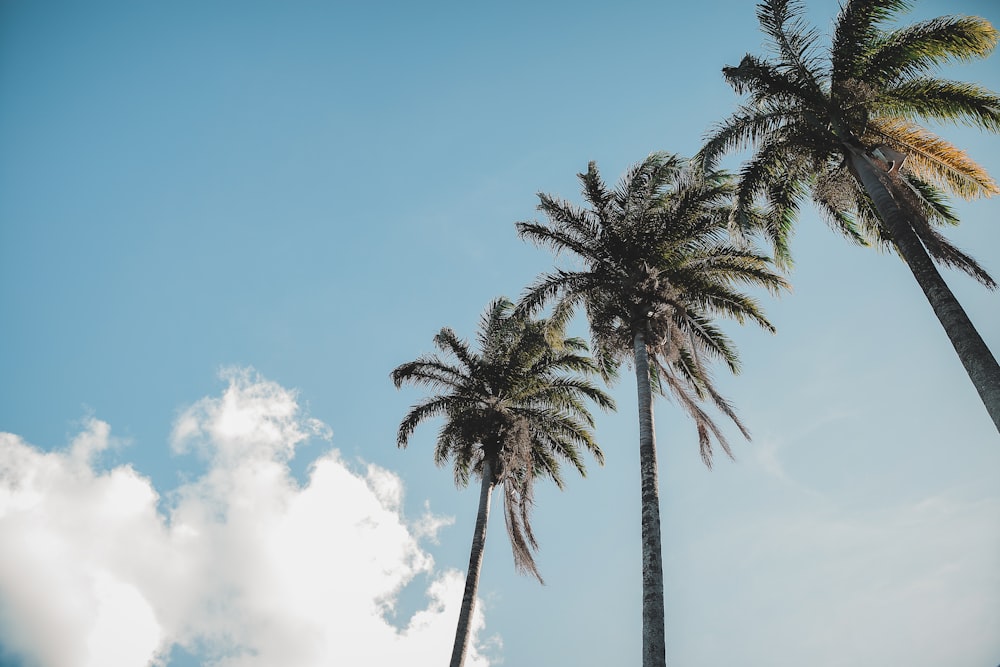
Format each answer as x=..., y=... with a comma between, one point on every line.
x=911, y=583
x=769, y=451
x=246, y=567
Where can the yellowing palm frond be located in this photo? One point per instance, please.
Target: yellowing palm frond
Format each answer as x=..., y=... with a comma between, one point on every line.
x=931, y=158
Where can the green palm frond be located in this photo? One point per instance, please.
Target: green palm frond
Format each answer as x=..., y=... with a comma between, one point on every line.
x=794, y=41
x=432, y=408
x=769, y=175
x=550, y=286
x=782, y=21
x=941, y=100
x=735, y=267
x=706, y=426
x=857, y=26
x=936, y=207
x=430, y=372
x=706, y=339
x=448, y=342
x=761, y=80
x=920, y=211
x=745, y=128
x=595, y=192
x=565, y=237
x=922, y=46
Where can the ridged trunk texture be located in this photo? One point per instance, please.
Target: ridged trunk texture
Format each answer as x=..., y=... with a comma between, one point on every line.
x=475, y=565
x=979, y=362
x=653, y=640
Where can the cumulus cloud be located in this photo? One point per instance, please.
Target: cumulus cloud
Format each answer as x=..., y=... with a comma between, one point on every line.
x=246, y=567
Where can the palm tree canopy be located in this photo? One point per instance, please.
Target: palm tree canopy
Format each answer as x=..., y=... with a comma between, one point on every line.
x=517, y=401
x=807, y=107
x=658, y=260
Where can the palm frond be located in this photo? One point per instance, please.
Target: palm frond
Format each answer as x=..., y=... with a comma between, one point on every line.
x=857, y=27
x=936, y=207
x=795, y=42
x=559, y=239
x=745, y=128
x=594, y=190
x=919, y=47
x=448, y=341
x=912, y=202
x=765, y=81
x=418, y=413
x=931, y=158
x=567, y=285
x=834, y=194
x=943, y=101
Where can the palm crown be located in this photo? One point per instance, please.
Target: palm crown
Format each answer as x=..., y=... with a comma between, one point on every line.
x=658, y=261
x=806, y=109
x=513, y=410
x=844, y=127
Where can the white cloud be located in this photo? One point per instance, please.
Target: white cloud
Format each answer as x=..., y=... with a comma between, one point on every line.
x=247, y=567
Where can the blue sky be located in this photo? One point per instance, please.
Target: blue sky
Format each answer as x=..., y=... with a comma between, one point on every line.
x=312, y=190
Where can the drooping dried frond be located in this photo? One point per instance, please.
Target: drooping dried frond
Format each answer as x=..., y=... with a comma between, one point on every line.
x=945, y=252
x=834, y=192
x=516, y=476
x=706, y=427
x=917, y=209
x=869, y=223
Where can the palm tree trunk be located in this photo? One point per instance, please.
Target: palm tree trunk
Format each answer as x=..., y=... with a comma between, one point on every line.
x=653, y=640
x=979, y=362
x=475, y=565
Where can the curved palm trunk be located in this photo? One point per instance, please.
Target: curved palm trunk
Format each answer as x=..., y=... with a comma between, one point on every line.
x=979, y=362
x=653, y=640
x=475, y=565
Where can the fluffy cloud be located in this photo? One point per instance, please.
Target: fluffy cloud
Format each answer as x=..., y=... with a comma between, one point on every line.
x=246, y=567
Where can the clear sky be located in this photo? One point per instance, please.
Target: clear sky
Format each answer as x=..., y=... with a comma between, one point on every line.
x=222, y=224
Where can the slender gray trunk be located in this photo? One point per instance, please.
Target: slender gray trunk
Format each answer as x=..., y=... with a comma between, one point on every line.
x=475, y=565
x=653, y=640
x=972, y=350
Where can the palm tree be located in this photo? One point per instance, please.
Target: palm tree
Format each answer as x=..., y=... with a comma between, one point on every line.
x=658, y=265
x=513, y=412
x=842, y=125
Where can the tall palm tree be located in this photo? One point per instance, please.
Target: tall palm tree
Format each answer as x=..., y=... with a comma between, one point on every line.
x=657, y=265
x=842, y=125
x=513, y=412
